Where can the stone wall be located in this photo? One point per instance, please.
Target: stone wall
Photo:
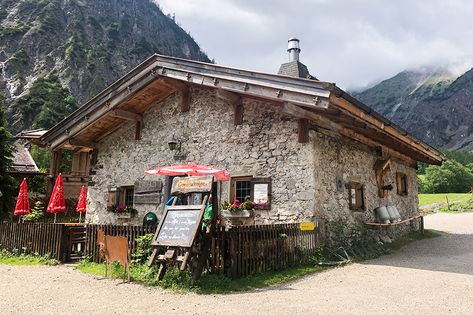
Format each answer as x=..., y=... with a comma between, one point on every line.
x=265, y=145
x=303, y=176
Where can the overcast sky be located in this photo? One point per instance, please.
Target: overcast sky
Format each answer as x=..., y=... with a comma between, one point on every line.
x=350, y=42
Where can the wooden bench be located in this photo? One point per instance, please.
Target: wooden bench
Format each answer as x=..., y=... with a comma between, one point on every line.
x=375, y=224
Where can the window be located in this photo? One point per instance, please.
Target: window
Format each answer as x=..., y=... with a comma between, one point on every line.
x=240, y=188
x=256, y=189
x=401, y=183
x=355, y=196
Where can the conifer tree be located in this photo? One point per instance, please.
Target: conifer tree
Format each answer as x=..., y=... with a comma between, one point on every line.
x=7, y=182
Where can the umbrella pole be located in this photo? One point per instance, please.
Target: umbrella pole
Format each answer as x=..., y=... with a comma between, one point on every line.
x=19, y=219
x=80, y=217
x=55, y=217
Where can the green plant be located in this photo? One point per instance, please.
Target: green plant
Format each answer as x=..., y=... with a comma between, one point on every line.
x=22, y=258
x=36, y=213
x=143, y=249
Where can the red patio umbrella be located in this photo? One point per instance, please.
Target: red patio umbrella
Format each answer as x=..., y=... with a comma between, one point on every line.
x=81, y=204
x=22, y=204
x=57, y=203
x=190, y=170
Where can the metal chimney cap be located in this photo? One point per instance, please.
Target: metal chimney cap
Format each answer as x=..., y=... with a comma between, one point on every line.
x=293, y=43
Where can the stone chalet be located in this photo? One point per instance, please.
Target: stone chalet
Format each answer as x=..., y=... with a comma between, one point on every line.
x=321, y=153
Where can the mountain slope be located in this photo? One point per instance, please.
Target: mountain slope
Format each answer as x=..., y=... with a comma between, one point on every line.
x=74, y=48
x=433, y=106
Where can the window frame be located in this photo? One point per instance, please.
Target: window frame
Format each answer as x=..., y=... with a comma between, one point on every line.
x=123, y=195
x=233, y=182
x=253, y=181
x=402, y=184
x=359, y=204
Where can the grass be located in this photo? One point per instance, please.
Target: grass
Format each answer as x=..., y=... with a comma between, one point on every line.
x=457, y=203
x=8, y=258
x=178, y=281
x=427, y=199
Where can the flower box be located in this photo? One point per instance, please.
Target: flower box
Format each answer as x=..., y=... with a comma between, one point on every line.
x=237, y=214
x=124, y=215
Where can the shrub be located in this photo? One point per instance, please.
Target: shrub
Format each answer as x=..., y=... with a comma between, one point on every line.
x=143, y=249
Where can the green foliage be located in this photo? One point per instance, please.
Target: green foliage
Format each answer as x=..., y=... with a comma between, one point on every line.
x=451, y=177
x=21, y=56
x=463, y=205
x=19, y=258
x=7, y=182
x=13, y=29
x=37, y=213
x=46, y=103
x=143, y=248
x=42, y=157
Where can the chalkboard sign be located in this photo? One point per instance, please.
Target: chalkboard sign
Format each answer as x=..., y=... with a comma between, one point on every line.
x=179, y=226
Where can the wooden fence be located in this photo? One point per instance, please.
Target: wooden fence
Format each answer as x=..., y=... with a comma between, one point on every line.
x=246, y=250
x=43, y=239
x=131, y=232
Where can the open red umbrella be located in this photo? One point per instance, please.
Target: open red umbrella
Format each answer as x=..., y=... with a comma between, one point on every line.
x=190, y=170
x=81, y=204
x=22, y=204
x=57, y=203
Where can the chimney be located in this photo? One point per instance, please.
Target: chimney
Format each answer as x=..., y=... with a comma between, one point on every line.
x=293, y=48
x=294, y=67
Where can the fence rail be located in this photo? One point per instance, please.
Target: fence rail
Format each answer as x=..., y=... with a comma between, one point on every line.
x=44, y=238
x=131, y=232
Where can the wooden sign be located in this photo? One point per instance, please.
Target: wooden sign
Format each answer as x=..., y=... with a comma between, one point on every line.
x=307, y=226
x=185, y=185
x=179, y=226
x=148, y=186
x=154, y=198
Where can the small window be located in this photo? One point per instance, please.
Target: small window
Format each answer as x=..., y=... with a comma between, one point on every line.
x=240, y=188
x=356, y=196
x=257, y=190
x=401, y=183
x=126, y=195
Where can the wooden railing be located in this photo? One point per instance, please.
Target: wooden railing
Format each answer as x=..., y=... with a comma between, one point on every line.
x=42, y=239
x=131, y=232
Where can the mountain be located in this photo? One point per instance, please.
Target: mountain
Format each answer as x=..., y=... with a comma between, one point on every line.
x=433, y=105
x=56, y=54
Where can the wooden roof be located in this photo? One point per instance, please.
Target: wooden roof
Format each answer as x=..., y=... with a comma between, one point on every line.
x=323, y=104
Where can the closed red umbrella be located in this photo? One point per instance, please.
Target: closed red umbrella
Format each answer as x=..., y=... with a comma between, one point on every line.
x=57, y=203
x=190, y=170
x=81, y=204
x=22, y=204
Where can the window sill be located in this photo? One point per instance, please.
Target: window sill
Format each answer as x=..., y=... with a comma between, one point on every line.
x=239, y=214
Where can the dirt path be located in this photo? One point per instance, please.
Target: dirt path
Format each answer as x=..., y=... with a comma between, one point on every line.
x=429, y=276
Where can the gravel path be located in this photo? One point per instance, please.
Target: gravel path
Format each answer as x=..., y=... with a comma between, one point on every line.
x=429, y=276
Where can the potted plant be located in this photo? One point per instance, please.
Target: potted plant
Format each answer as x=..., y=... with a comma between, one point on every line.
x=123, y=211
x=238, y=209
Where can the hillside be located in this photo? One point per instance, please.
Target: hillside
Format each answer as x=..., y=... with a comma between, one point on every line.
x=56, y=54
x=432, y=105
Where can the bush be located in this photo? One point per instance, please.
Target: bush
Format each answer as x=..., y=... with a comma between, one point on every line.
x=448, y=178
x=143, y=249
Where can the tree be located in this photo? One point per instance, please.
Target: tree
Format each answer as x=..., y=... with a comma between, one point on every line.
x=450, y=177
x=7, y=182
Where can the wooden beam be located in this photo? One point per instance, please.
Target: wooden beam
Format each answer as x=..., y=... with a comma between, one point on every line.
x=325, y=123
x=186, y=99
x=81, y=143
x=371, y=143
x=422, y=149
x=120, y=113
x=55, y=162
x=138, y=130
x=236, y=101
x=303, y=130
x=298, y=112
x=177, y=84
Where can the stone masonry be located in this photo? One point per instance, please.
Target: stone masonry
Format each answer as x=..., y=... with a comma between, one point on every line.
x=303, y=176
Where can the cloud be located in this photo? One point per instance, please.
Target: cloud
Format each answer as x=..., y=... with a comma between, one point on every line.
x=352, y=43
